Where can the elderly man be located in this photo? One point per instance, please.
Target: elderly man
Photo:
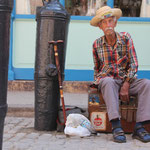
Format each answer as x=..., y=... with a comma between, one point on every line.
x=115, y=67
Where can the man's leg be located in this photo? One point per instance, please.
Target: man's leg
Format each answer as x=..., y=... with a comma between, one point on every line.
x=141, y=87
x=110, y=91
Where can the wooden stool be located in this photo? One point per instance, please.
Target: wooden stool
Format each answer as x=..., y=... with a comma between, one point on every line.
x=99, y=117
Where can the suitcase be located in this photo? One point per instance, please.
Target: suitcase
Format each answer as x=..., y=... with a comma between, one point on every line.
x=99, y=117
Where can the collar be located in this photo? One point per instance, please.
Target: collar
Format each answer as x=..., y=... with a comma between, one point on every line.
x=119, y=41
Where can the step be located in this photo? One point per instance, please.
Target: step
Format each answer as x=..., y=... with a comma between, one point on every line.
x=68, y=86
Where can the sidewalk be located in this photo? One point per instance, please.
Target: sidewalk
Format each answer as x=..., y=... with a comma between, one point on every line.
x=21, y=103
x=19, y=133
x=26, y=99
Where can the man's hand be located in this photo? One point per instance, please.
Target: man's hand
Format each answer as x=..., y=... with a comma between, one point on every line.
x=124, y=91
x=92, y=85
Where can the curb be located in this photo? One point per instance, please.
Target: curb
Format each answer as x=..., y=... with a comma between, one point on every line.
x=20, y=112
x=68, y=86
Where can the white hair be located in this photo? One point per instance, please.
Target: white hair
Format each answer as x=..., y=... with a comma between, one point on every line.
x=115, y=18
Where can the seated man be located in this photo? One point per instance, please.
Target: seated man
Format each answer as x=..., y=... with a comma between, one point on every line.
x=115, y=67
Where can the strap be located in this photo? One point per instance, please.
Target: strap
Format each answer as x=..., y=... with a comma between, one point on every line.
x=138, y=127
x=141, y=127
x=143, y=132
x=118, y=133
x=58, y=122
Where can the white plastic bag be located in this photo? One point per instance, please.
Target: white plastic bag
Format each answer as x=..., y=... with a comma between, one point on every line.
x=79, y=131
x=78, y=125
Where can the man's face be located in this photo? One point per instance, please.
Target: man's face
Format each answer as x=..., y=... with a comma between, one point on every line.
x=108, y=25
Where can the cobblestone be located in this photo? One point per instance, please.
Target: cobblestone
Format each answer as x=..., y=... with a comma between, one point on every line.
x=19, y=134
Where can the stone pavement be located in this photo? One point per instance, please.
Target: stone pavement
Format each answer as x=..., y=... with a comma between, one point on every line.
x=19, y=133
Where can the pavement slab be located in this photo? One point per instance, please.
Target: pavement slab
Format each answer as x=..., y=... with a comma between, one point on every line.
x=19, y=134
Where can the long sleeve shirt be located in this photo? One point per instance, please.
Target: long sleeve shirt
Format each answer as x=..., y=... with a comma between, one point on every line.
x=119, y=61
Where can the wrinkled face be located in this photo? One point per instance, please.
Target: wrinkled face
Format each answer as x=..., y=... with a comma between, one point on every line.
x=108, y=25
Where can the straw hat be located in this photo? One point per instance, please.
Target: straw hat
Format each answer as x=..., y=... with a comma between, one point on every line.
x=105, y=12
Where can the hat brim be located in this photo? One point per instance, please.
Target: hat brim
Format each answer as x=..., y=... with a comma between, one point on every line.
x=115, y=12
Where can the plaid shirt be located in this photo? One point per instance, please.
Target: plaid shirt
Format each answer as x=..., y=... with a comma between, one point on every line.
x=119, y=61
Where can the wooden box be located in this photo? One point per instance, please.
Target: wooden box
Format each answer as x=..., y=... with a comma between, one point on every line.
x=99, y=117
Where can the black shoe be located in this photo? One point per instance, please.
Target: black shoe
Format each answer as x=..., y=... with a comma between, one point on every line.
x=118, y=135
x=141, y=134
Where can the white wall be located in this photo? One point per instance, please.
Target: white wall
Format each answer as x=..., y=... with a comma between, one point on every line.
x=80, y=39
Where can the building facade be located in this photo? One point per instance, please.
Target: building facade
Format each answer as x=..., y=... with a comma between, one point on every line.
x=79, y=60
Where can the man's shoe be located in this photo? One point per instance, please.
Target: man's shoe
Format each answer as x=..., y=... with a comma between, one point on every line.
x=141, y=134
x=118, y=135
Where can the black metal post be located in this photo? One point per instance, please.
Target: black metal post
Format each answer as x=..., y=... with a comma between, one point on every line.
x=5, y=12
x=52, y=24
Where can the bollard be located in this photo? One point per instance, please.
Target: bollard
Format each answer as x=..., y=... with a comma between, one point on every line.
x=5, y=12
x=52, y=24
